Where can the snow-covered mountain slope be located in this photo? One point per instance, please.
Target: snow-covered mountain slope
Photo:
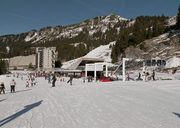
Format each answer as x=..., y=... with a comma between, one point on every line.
x=97, y=24
x=165, y=46
x=100, y=23
x=171, y=21
x=173, y=62
x=118, y=104
x=50, y=33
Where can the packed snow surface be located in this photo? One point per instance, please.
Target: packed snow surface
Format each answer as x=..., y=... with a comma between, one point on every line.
x=153, y=104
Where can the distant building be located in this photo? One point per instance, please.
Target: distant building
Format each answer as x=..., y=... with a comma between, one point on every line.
x=22, y=62
x=45, y=58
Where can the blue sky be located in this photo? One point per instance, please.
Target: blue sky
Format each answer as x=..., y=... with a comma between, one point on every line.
x=18, y=16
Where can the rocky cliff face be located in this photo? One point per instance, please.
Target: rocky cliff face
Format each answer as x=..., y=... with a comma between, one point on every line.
x=165, y=46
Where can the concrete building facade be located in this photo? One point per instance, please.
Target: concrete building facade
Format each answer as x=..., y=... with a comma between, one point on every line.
x=45, y=58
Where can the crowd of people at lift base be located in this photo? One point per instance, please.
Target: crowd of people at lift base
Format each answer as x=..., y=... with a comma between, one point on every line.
x=31, y=79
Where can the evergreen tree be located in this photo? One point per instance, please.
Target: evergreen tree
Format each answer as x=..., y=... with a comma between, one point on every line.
x=178, y=18
x=30, y=66
x=3, y=67
x=58, y=64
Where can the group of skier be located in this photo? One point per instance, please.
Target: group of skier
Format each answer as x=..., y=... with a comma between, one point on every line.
x=12, y=86
x=148, y=77
x=52, y=78
x=31, y=80
x=144, y=77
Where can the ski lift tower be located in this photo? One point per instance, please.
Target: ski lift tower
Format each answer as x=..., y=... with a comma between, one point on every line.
x=124, y=69
x=124, y=66
x=147, y=63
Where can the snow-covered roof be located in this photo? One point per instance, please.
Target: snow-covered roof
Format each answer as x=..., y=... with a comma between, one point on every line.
x=103, y=51
x=99, y=54
x=73, y=64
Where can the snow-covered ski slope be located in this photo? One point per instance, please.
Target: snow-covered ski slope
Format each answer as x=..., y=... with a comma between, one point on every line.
x=153, y=104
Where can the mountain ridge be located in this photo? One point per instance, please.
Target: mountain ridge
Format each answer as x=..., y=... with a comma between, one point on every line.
x=83, y=34
x=76, y=40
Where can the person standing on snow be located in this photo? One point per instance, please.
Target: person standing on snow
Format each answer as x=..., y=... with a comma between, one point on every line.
x=153, y=75
x=70, y=79
x=12, y=85
x=27, y=84
x=144, y=76
x=49, y=78
x=53, y=80
x=2, y=87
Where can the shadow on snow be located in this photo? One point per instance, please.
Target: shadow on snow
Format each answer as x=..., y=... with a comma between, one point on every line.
x=2, y=100
x=23, y=90
x=19, y=113
x=177, y=114
x=19, y=91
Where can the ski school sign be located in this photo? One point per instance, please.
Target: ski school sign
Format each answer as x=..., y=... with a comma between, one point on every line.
x=93, y=67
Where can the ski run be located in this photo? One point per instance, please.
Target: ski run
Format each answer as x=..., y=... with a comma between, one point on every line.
x=117, y=104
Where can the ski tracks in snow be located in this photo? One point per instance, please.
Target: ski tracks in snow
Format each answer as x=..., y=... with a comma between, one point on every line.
x=93, y=105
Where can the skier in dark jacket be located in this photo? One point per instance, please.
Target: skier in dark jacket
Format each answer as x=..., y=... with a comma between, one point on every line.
x=2, y=87
x=139, y=77
x=49, y=78
x=53, y=80
x=70, y=79
x=153, y=75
